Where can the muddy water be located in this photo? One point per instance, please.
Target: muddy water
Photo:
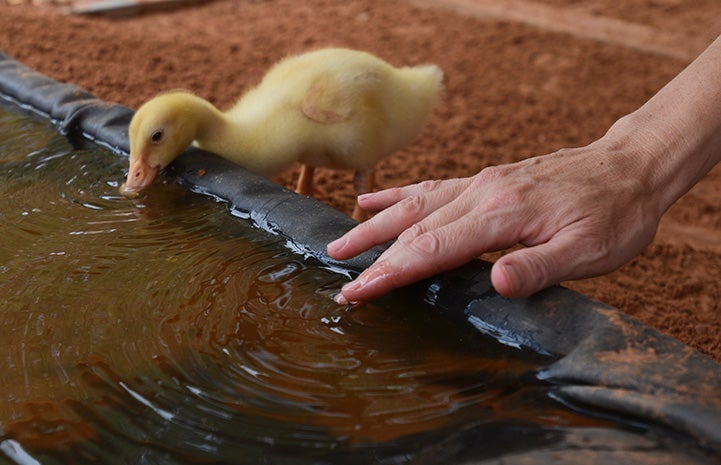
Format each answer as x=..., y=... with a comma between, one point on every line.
x=163, y=330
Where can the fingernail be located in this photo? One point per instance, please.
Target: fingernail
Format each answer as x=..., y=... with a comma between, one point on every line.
x=350, y=286
x=340, y=299
x=363, y=197
x=337, y=244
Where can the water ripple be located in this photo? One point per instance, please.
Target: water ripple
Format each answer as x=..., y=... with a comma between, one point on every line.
x=161, y=329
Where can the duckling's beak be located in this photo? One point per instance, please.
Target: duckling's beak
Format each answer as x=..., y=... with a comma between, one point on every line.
x=140, y=175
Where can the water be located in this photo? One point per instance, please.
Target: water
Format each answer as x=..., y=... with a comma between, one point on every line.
x=163, y=330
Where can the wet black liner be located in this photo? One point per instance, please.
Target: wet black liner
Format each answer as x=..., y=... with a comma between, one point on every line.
x=607, y=361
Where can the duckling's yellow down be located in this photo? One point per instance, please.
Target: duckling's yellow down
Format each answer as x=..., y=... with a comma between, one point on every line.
x=336, y=108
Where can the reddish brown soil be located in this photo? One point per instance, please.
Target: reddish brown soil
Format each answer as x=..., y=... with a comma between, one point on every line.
x=516, y=86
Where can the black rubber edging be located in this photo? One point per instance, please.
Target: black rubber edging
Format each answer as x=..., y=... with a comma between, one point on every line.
x=607, y=360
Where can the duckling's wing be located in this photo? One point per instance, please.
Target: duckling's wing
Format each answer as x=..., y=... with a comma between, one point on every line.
x=332, y=98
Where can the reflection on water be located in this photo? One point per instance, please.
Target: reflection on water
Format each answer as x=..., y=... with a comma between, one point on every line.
x=163, y=330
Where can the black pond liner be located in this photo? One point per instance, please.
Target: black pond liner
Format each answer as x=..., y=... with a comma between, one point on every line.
x=609, y=364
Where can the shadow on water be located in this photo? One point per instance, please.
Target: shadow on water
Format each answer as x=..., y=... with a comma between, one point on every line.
x=163, y=330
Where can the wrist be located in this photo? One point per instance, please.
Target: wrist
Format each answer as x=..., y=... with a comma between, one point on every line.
x=663, y=157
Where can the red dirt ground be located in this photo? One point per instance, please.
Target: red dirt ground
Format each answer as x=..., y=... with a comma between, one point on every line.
x=522, y=78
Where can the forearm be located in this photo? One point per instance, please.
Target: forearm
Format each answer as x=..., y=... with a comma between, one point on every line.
x=677, y=132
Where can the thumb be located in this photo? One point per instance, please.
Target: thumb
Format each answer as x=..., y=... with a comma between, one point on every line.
x=527, y=271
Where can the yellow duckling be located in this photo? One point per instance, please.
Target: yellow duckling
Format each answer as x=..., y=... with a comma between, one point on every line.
x=335, y=108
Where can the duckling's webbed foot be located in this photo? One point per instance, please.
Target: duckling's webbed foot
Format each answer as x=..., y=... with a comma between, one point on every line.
x=363, y=181
x=305, y=180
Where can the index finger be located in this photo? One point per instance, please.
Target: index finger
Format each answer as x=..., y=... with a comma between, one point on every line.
x=423, y=256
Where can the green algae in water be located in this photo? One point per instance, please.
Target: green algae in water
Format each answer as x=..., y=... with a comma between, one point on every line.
x=163, y=330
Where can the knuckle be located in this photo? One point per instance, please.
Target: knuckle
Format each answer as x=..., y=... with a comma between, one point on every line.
x=410, y=234
x=365, y=228
x=370, y=229
x=567, y=151
x=412, y=208
x=396, y=277
x=426, y=244
x=500, y=191
x=384, y=268
x=429, y=185
x=542, y=265
x=392, y=275
x=488, y=174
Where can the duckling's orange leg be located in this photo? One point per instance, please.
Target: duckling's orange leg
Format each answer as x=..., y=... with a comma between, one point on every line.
x=362, y=183
x=305, y=180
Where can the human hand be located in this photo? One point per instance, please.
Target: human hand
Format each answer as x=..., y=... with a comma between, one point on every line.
x=580, y=212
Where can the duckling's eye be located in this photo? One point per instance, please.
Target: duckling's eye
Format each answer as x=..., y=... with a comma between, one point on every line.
x=157, y=136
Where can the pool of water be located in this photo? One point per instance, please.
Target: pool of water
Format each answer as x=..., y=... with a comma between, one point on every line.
x=162, y=329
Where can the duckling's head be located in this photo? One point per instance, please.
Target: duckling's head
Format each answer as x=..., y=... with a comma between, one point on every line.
x=160, y=130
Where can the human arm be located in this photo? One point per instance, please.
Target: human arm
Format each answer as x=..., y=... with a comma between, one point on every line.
x=580, y=212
